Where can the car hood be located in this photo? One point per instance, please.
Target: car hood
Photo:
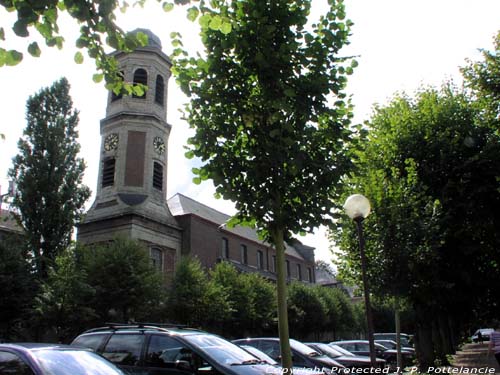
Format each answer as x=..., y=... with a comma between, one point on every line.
x=357, y=358
x=267, y=369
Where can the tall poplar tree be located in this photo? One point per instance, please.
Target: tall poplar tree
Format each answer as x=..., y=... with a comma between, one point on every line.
x=270, y=115
x=48, y=174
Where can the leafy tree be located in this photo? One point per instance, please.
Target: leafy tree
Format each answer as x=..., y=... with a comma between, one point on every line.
x=307, y=311
x=188, y=293
x=483, y=78
x=48, y=173
x=62, y=302
x=251, y=299
x=19, y=288
x=430, y=167
x=127, y=286
x=270, y=116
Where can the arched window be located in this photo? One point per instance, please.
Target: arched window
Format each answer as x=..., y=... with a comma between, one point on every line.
x=108, y=172
x=113, y=95
x=141, y=77
x=160, y=90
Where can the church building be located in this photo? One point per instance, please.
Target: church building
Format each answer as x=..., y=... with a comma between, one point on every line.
x=131, y=188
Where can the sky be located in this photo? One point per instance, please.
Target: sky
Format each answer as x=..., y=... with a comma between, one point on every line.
x=401, y=46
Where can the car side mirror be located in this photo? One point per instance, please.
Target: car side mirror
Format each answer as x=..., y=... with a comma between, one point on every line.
x=183, y=365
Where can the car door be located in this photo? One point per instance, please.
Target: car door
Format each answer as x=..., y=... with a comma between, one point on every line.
x=168, y=355
x=124, y=350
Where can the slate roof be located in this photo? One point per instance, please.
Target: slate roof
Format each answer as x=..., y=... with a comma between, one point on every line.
x=181, y=205
x=8, y=223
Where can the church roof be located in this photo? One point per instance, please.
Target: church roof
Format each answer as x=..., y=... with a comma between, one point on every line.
x=181, y=205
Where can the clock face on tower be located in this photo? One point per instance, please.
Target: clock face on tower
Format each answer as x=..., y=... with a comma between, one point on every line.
x=159, y=145
x=111, y=142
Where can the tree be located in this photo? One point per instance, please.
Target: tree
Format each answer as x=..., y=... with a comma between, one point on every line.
x=48, y=173
x=430, y=166
x=97, y=19
x=188, y=293
x=18, y=289
x=306, y=309
x=62, y=302
x=127, y=286
x=270, y=116
x=250, y=298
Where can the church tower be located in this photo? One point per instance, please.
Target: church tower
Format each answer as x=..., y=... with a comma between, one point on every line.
x=131, y=189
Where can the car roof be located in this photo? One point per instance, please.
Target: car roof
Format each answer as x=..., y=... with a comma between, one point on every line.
x=38, y=346
x=171, y=329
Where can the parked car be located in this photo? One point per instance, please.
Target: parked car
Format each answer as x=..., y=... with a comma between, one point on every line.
x=390, y=344
x=154, y=350
x=349, y=361
x=302, y=355
x=265, y=358
x=485, y=332
x=362, y=347
x=52, y=359
x=406, y=340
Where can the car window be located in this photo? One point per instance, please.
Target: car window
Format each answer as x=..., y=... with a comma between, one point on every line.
x=124, y=349
x=12, y=364
x=348, y=347
x=271, y=348
x=92, y=341
x=362, y=347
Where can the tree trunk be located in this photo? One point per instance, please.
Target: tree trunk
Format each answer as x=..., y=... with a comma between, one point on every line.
x=286, y=353
x=423, y=341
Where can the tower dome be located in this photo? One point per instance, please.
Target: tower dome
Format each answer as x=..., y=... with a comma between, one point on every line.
x=153, y=40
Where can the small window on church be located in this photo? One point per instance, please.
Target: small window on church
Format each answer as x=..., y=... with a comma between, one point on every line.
x=160, y=90
x=113, y=95
x=158, y=176
x=156, y=256
x=140, y=76
x=108, y=172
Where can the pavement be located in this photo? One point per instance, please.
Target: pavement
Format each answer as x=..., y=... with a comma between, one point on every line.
x=475, y=356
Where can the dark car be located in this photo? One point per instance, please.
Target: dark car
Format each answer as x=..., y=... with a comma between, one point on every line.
x=390, y=344
x=350, y=361
x=302, y=355
x=406, y=340
x=154, y=350
x=52, y=359
x=362, y=347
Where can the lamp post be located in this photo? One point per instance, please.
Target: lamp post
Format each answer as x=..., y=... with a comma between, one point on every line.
x=357, y=207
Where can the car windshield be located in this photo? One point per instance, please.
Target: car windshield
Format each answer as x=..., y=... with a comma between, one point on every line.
x=303, y=348
x=74, y=362
x=222, y=351
x=341, y=350
x=328, y=350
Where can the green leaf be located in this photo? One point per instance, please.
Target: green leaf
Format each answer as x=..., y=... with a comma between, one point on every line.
x=13, y=57
x=97, y=77
x=2, y=33
x=197, y=180
x=21, y=28
x=215, y=23
x=142, y=38
x=34, y=50
x=192, y=14
x=78, y=57
x=167, y=7
x=205, y=20
x=226, y=28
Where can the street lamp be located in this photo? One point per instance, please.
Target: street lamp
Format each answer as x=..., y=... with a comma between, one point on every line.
x=357, y=207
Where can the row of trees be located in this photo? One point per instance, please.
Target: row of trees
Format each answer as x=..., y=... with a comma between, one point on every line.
x=116, y=282
x=430, y=165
